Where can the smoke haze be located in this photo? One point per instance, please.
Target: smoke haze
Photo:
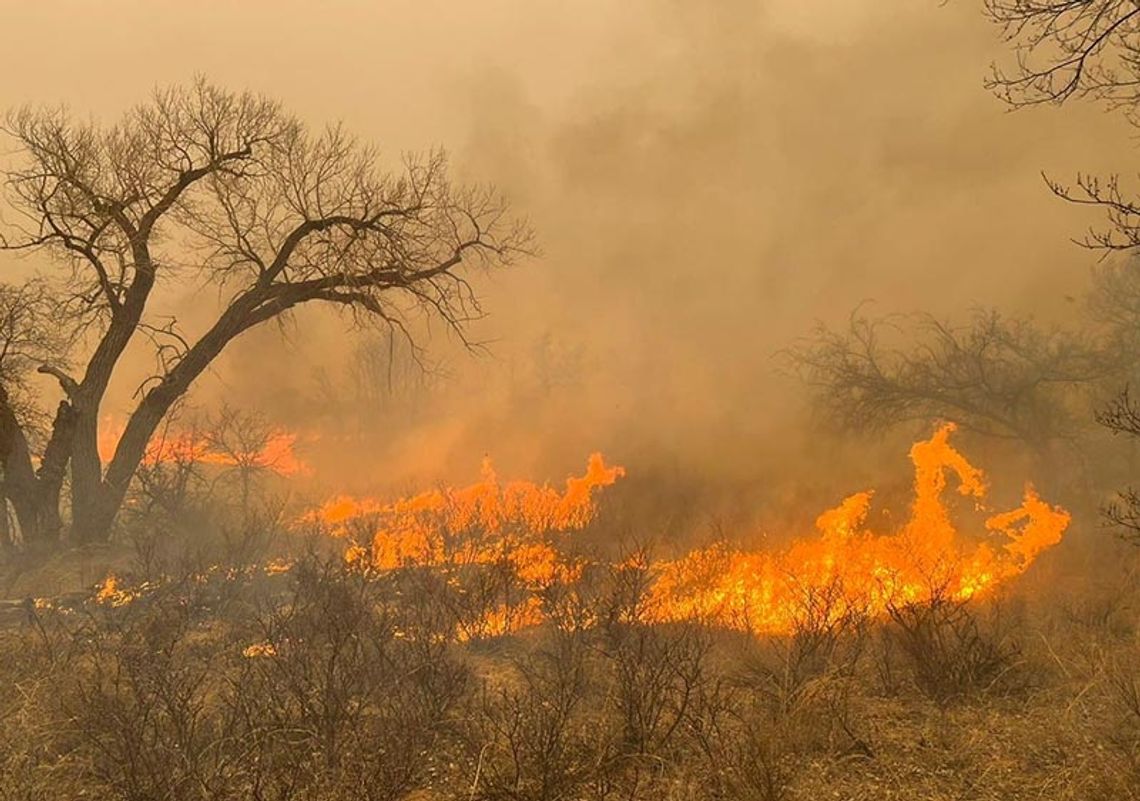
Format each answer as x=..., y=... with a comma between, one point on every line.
x=706, y=180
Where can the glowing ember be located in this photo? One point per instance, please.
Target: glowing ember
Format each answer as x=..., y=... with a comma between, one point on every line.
x=259, y=649
x=276, y=567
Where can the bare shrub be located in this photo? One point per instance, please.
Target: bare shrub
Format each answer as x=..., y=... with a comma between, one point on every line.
x=804, y=680
x=332, y=693
x=1105, y=607
x=1122, y=691
x=533, y=735
x=140, y=699
x=758, y=765
x=828, y=636
x=949, y=651
x=656, y=670
x=34, y=661
x=338, y=696
x=580, y=606
x=742, y=750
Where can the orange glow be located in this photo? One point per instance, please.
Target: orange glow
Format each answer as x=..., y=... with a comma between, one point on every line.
x=110, y=593
x=855, y=569
x=276, y=455
x=482, y=523
x=847, y=567
x=505, y=619
x=259, y=649
x=511, y=528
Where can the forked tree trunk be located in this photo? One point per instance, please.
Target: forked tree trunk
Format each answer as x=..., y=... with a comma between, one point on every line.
x=96, y=505
x=34, y=495
x=347, y=235
x=96, y=496
x=89, y=519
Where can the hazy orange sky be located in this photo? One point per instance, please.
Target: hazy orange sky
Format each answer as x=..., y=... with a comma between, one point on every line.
x=706, y=179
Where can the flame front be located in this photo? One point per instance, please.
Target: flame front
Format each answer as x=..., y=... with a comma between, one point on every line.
x=276, y=454
x=848, y=568
x=484, y=522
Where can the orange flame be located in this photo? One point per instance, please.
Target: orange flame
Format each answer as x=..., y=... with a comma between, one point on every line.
x=484, y=522
x=276, y=454
x=856, y=569
x=848, y=567
x=111, y=593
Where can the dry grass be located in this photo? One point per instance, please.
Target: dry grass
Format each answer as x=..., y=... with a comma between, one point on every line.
x=366, y=694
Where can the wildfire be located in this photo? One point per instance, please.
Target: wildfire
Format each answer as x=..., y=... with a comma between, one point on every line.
x=484, y=522
x=276, y=453
x=848, y=568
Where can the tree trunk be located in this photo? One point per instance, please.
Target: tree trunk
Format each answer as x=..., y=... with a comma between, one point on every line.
x=94, y=516
x=34, y=496
x=100, y=507
x=86, y=478
x=97, y=496
x=90, y=518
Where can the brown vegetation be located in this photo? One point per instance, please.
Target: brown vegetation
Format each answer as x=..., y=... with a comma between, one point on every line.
x=202, y=645
x=328, y=682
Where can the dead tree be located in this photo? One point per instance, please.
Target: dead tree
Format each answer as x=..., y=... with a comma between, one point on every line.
x=229, y=189
x=997, y=376
x=1067, y=49
x=27, y=339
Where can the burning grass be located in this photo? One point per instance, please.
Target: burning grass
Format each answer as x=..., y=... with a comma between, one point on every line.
x=469, y=525
x=329, y=682
x=859, y=570
x=457, y=644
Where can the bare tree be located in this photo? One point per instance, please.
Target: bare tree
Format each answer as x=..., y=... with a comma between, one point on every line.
x=1122, y=416
x=1089, y=49
x=998, y=376
x=389, y=381
x=230, y=189
x=241, y=439
x=28, y=339
x=1067, y=49
x=1115, y=302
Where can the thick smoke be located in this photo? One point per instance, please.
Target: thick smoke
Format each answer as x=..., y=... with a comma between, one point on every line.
x=707, y=180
